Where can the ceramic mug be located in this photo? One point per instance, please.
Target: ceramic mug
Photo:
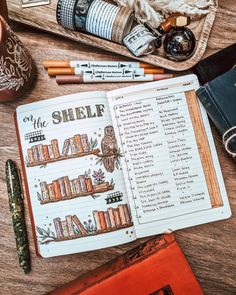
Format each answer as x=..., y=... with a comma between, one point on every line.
x=16, y=64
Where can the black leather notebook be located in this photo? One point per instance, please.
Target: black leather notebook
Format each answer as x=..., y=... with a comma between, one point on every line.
x=216, y=64
x=219, y=99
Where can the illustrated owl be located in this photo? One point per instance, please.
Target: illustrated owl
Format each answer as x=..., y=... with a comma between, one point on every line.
x=109, y=148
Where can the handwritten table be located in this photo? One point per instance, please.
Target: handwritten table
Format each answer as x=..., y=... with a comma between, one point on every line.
x=210, y=249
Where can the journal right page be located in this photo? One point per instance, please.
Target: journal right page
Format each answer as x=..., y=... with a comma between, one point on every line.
x=171, y=169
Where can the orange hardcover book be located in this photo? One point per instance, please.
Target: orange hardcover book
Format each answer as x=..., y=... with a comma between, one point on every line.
x=57, y=189
x=45, y=152
x=102, y=220
x=167, y=272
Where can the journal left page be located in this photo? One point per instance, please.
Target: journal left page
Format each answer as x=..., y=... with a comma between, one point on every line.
x=71, y=163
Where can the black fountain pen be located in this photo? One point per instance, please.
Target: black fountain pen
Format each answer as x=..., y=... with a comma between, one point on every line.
x=18, y=217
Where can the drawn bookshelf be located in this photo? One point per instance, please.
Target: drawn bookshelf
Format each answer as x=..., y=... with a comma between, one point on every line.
x=74, y=147
x=72, y=228
x=65, y=189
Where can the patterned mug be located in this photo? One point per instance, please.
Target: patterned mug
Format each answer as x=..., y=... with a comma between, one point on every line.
x=16, y=64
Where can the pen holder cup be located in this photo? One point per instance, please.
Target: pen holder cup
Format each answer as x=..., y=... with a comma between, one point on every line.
x=16, y=64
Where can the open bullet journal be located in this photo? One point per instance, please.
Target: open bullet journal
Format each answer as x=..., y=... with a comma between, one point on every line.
x=106, y=168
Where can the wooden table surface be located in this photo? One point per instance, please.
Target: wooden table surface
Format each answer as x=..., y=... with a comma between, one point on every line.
x=210, y=249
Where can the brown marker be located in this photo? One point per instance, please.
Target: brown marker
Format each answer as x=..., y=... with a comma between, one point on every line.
x=77, y=71
x=78, y=79
x=95, y=64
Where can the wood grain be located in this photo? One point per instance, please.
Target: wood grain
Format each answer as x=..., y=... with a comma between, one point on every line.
x=210, y=249
x=201, y=29
x=204, y=149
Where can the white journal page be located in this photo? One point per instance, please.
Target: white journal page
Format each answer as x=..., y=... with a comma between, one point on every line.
x=164, y=173
x=76, y=185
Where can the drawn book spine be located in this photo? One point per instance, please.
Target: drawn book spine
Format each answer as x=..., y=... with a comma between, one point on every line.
x=107, y=220
x=102, y=220
x=35, y=153
x=73, y=146
x=67, y=186
x=65, y=229
x=127, y=213
x=97, y=220
x=57, y=190
x=111, y=217
x=85, y=143
x=62, y=187
x=51, y=191
x=44, y=190
x=117, y=217
x=77, y=185
x=40, y=152
x=55, y=148
x=30, y=156
x=79, y=225
x=50, y=151
x=70, y=225
x=160, y=251
x=66, y=148
x=72, y=187
x=78, y=143
x=83, y=183
x=89, y=184
x=46, y=153
x=122, y=214
x=58, y=227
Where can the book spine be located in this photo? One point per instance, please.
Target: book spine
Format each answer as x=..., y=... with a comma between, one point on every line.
x=51, y=191
x=40, y=151
x=50, y=151
x=66, y=148
x=117, y=217
x=79, y=225
x=44, y=190
x=35, y=153
x=30, y=156
x=83, y=183
x=62, y=187
x=122, y=214
x=217, y=116
x=55, y=148
x=72, y=187
x=67, y=186
x=58, y=227
x=57, y=190
x=65, y=229
x=70, y=225
x=111, y=217
x=89, y=184
x=107, y=220
x=73, y=146
x=85, y=143
x=78, y=144
x=46, y=153
x=127, y=214
x=125, y=261
x=97, y=220
x=102, y=220
x=76, y=184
